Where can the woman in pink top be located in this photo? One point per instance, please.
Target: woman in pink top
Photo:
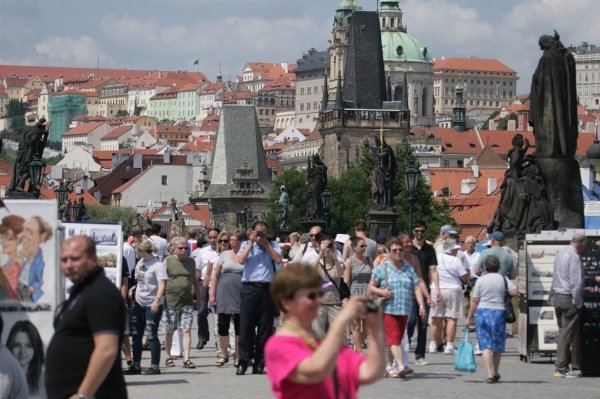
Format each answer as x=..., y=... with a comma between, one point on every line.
x=301, y=367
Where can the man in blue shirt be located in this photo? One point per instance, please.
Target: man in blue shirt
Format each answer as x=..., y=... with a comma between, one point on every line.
x=258, y=255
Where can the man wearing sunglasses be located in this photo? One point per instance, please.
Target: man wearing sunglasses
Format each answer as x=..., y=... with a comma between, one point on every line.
x=309, y=252
x=259, y=256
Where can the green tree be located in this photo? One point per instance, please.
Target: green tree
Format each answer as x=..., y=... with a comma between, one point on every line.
x=122, y=113
x=295, y=182
x=112, y=214
x=425, y=207
x=350, y=198
x=486, y=124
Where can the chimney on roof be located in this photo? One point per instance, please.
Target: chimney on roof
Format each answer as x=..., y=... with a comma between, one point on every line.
x=167, y=157
x=491, y=185
x=285, y=66
x=475, y=169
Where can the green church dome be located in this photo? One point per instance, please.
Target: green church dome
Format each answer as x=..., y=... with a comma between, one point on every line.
x=401, y=46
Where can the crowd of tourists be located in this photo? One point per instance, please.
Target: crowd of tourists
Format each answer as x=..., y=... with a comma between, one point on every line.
x=315, y=291
x=320, y=315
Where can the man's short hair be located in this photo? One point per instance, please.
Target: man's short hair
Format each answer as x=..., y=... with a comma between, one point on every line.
x=491, y=264
x=419, y=223
x=215, y=229
x=361, y=225
x=89, y=245
x=192, y=233
x=156, y=228
x=578, y=238
x=259, y=223
x=177, y=239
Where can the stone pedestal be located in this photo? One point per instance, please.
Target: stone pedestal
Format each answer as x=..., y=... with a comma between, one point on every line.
x=563, y=185
x=18, y=194
x=382, y=223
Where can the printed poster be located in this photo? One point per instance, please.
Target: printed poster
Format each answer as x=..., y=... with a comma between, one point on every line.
x=28, y=283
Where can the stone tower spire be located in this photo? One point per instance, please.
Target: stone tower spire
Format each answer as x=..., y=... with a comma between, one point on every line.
x=459, y=121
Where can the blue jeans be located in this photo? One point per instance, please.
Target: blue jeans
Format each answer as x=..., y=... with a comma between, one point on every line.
x=142, y=319
x=421, y=324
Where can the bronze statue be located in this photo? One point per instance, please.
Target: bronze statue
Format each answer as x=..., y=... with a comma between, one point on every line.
x=283, y=204
x=554, y=101
x=383, y=175
x=524, y=206
x=31, y=147
x=317, y=181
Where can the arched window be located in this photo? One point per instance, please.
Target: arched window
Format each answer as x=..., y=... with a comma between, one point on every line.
x=398, y=92
x=424, y=102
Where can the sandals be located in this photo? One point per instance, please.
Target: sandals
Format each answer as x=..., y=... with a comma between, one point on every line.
x=392, y=374
x=222, y=360
x=497, y=378
x=188, y=364
x=169, y=362
x=490, y=380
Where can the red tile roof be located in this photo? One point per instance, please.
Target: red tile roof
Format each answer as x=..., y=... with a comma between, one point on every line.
x=6, y=172
x=501, y=140
x=198, y=145
x=452, y=178
x=88, y=118
x=198, y=212
x=471, y=64
x=455, y=142
x=83, y=129
x=170, y=129
x=274, y=163
x=488, y=158
x=118, y=132
x=50, y=193
x=15, y=82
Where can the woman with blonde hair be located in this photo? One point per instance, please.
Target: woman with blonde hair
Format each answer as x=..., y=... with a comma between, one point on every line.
x=152, y=277
x=226, y=283
x=298, y=365
x=357, y=274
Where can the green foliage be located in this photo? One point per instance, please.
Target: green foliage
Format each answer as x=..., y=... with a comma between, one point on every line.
x=295, y=182
x=425, y=207
x=112, y=214
x=14, y=108
x=8, y=155
x=122, y=113
x=137, y=110
x=350, y=198
x=486, y=124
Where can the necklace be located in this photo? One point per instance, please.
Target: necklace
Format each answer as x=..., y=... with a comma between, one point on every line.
x=308, y=340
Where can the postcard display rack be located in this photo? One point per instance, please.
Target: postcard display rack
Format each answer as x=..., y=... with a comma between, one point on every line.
x=537, y=322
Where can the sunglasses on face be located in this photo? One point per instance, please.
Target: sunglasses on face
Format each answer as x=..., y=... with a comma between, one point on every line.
x=223, y=241
x=180, y=248
x=396, y=250
x=419, y=231
x=315, y=294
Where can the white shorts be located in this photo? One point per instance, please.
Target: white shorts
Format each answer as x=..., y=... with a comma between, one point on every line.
x=451, y=304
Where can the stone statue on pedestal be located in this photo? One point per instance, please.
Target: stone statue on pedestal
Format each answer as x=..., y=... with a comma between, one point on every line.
x=31, y=147
x=283, y=205
x=383, y=175
x=317, y=181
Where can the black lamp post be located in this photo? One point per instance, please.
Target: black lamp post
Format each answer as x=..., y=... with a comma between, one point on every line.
x=76, y=211
x=411, y=180
x=36, y=172
x=326, y=198
x=62, y=194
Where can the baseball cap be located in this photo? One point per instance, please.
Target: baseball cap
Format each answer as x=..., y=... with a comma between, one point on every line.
x=497, y=235
x=448, y=229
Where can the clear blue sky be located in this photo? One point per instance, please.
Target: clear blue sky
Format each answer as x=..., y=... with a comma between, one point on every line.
x=171, y=34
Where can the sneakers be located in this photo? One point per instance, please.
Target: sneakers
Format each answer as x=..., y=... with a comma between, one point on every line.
x=421, y=362
x=477, y=351
x=449, y=349
x=151, y=371
x=132, y=370
x=565, y=374
x=432, y=347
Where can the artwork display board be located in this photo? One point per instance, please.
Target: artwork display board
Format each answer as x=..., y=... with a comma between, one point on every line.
x=109, y=246
x=538, y=328
x=29, y=283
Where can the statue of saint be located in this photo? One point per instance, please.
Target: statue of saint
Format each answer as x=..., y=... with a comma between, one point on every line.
x=31, y=146
x=554, y=101
x=317, y=181
x=284, y=204
x=383, y=175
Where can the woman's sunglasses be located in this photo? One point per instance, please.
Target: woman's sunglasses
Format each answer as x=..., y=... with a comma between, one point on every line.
x=223, y=241
x=315, y=294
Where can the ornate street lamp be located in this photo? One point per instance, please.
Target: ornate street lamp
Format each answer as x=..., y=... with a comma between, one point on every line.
x=36, y=172
x=326, y=199
x=62, y=193
x=411, y=180
x=76, y=211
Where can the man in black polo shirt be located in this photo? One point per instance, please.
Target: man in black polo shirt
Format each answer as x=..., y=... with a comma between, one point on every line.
x=428, y=260
x=83, y=358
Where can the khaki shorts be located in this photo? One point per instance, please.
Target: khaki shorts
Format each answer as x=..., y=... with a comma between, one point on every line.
x=451, y=304
x=178, y=318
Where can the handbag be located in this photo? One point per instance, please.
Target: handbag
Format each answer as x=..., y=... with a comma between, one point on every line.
x=342, y=288
x=465, y=356
x=510, y=311
x=380, y=300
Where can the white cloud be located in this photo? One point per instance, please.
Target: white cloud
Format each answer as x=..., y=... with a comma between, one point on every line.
x=64, y=50
x=234, y=40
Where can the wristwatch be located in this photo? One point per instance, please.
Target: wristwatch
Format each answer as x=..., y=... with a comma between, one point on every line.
x=80, y=396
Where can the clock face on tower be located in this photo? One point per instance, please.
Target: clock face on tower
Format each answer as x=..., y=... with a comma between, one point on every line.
x=348, y=20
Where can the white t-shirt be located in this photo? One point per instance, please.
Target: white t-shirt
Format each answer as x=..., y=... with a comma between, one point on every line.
x=490, y=290
x=148, y=273
x=129, y=254
x=161, y=246
x=310, y=255
x=469, y=261
x=450, y=270
x=203, y=256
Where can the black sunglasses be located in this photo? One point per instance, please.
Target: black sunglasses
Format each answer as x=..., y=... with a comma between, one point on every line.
x=223, y=241
x=315, y=294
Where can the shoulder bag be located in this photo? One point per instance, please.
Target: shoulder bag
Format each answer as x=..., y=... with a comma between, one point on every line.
x=510, y=311
x=380, y=300
x=342, y=288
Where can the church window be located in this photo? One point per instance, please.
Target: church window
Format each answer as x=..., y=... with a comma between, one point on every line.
x=392, y=22
x=308, y=91
x=302, y=91
x=383, y=22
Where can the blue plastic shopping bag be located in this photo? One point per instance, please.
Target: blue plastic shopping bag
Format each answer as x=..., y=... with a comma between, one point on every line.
x=465, y=356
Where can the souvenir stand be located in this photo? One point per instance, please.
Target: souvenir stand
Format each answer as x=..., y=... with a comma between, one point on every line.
x=538, y=329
